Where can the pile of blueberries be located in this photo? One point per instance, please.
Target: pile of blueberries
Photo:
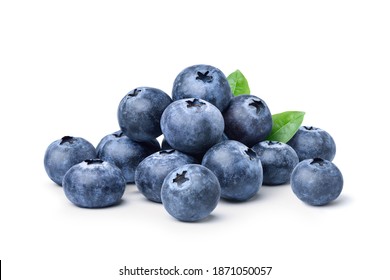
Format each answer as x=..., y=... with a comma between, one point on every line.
x=214, y=146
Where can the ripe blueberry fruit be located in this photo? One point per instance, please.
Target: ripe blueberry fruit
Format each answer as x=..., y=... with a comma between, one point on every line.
x=204, y=82
x=94, y=184
x=237, y=168
x=247, y=119
x=278, y=160
x=62, y=154
x=192, y=125
x=190, y=193
x=312, y=142
x=316, y=181
x=139, y=113
x=151, y=172
x=126, y=154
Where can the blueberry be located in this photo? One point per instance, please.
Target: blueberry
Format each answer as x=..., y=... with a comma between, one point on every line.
x=237, y=168
x=139, y=113
x=247, y=119
x=62, y=154
x=190, y=193
x=126, y=154
x=204, y=82
x=316, y=181
x=192, y=125
x=311, y=142
x=278, y=160
x=151, y=172
x=94, y=184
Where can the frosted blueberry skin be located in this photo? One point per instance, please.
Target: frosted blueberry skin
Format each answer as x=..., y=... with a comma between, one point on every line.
x=312, y=142
x=139, y=113
x=204, y=82
x=105, y=139
x=190, y=193
x=247, y=120
x=316, y=181
x=192, y=125
x=278, y=161
x=126, y=154
x=237, y=168
x=151, y=172
x=94, y=184
x=62, y=154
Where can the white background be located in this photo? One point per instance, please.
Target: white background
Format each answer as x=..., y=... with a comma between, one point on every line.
x=64, y=67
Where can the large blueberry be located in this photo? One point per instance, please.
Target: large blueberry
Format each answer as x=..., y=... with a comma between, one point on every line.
x=192, y=125
x=94, y=184
x=204, y=82
x=247, y=119
x=126, y=154
x=237, y=168
x=190, y=193
x=312, y=142
x=278, y=160
x=316, y=181
x=140, y=111
x=151, y=172
x=62, y=154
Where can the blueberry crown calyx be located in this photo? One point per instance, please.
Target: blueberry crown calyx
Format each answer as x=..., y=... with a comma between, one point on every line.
x=318, y=161
x=135, y=92
x=67, y=139
x=169, y=151
x=181, y=178
x=195, y=103
x=204, y=77
x=93, y=161
x=118, y=134
x=251, y=154
x=257, y=104
x=310, y=128
x=271, y=143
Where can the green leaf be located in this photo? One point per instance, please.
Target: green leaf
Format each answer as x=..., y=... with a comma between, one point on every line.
x=238, y=83
x=285, y=125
